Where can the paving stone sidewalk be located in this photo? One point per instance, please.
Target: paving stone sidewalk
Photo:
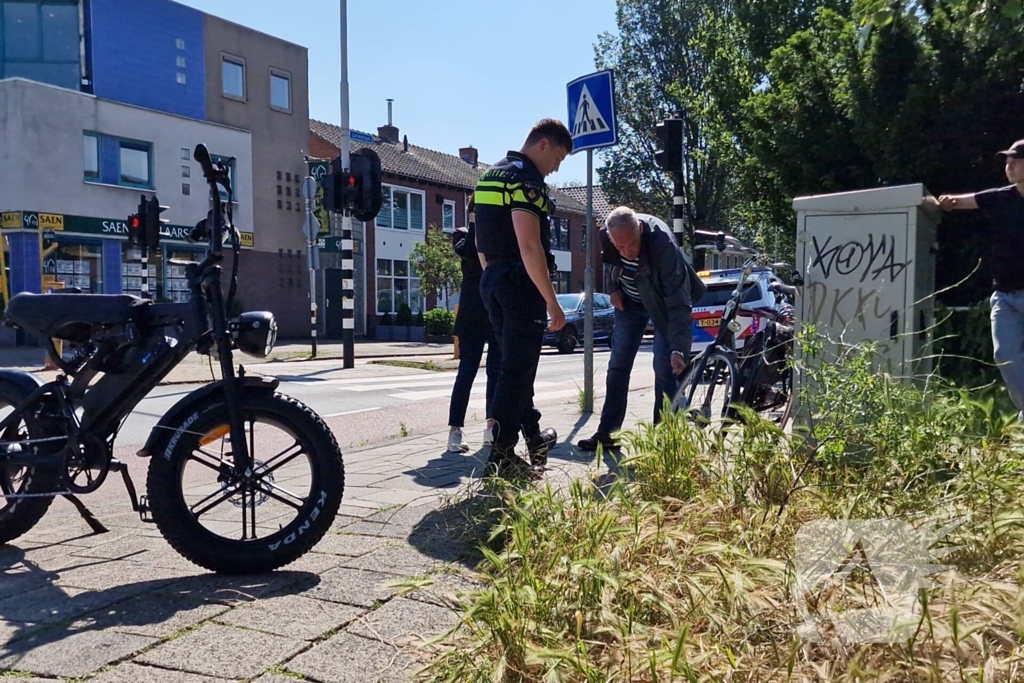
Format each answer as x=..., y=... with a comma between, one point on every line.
x=123, y=607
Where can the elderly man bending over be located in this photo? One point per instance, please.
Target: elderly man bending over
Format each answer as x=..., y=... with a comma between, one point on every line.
x=654, y=283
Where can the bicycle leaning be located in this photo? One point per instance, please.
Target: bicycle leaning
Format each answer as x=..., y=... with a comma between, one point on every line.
x=759, y=376
x=205, y=474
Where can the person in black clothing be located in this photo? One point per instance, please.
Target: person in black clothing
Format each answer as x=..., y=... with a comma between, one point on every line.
x=1004, y=208
x=514, y=239
x=473, y=328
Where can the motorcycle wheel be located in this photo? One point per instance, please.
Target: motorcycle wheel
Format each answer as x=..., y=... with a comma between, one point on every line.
x=246, y=525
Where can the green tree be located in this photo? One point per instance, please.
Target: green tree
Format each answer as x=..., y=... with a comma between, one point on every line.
x=674, y=57
x=436, y=264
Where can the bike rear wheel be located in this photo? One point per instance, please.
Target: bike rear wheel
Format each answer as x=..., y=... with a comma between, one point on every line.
x=18, y=515
x=247, y=523
x=708, y=389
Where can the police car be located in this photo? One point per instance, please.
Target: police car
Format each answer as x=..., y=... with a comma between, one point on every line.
x=707, y=313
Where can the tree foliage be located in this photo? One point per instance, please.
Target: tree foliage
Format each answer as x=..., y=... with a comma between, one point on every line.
x=436, y=264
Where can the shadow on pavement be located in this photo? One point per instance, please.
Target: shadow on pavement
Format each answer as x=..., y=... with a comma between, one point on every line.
x=447, y=470
x=36, y=611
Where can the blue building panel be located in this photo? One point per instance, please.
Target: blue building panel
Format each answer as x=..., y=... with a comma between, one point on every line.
x=26, y=275
x=149, y=53
x=112, y=266
x=110, y=160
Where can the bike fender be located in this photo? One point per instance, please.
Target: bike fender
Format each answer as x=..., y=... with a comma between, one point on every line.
x=172, y=419
x=21, y=379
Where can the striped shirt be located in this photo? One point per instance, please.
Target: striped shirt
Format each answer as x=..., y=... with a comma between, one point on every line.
x=627, y=278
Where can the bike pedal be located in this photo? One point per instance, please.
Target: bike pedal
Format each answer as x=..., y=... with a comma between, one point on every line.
x=145, y=514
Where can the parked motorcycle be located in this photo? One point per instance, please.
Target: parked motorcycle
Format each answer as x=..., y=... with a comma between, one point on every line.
x=242, y=479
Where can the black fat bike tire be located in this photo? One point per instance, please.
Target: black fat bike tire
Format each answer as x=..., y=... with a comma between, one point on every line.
x=18, y=518
x=204, y=548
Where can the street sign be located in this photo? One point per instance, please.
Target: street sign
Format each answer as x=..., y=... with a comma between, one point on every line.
x=592, y=111
x=330, y=245
x=311, y=226
x=360, y=136
x=309, y=188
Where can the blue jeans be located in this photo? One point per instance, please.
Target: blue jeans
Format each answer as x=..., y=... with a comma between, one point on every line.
x=1008, y=341
x=629, y=332
x=471, y=349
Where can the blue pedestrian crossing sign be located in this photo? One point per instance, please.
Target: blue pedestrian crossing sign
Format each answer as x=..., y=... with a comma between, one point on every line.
x=592, y=111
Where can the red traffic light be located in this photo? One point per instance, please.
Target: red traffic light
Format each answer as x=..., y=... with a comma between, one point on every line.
x=351, y=181
x=136, y=222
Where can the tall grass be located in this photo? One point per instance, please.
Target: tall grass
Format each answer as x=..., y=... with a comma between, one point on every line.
x=685, y=570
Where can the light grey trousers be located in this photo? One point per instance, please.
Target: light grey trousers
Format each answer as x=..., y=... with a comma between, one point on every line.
x=1008, y=342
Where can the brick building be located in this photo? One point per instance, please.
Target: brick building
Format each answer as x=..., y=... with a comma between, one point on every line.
x=424, y=187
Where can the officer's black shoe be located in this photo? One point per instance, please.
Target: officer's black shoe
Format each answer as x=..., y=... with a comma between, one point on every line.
x=504, y=463
x=599, y=439
x=539, y=445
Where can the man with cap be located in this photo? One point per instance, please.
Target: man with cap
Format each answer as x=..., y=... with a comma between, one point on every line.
x=1004, y=208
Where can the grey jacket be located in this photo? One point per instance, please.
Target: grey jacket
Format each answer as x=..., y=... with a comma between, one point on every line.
x=667, y=284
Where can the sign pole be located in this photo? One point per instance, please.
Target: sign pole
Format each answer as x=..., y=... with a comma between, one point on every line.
x=348, y=297
x=592, y=123
x=588, y=289
x=310, y=228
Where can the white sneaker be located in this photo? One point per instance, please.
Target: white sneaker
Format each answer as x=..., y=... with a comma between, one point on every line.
x=488, y=436
x=455, y=444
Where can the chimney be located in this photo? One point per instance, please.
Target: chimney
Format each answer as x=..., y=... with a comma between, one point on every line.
x=405, y=143
x=469, y=155
x=388, y=133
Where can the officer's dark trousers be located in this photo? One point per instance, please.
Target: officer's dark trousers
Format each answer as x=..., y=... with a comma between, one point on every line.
x=519, y=317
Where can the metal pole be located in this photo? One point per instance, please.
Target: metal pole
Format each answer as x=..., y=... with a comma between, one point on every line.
x=678, y=223
x=145, y=272
x=588, y=290
x=311, y=245
x=348, y=298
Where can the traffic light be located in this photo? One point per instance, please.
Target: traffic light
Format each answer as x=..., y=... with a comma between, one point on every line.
x=144, y=226
x=152, y=223
x=670, y=135
x=357, y=189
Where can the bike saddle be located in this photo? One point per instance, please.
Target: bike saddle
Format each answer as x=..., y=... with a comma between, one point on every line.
x=70, y=316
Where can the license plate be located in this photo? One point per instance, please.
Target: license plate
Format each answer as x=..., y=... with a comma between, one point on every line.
x=709, y=322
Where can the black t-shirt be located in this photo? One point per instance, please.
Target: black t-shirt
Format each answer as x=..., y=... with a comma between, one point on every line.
x=513, y=184
x=1004, y=208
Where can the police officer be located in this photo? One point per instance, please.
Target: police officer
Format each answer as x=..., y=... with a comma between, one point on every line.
x=514, y=241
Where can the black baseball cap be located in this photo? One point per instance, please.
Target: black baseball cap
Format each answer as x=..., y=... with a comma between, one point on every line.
x=1016, y=150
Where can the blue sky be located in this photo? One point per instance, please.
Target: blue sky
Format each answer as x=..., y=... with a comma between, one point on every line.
x=461, y=72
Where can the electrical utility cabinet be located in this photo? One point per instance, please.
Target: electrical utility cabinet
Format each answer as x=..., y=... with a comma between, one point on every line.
x=868, y=262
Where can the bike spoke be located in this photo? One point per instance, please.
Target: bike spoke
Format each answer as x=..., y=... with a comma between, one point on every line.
x=263, y=487
x=206, y=463
x=268, y=469
x=224, y=495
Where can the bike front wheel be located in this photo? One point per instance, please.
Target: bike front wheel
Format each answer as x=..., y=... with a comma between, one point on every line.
x=254, y=521
x=708, y=389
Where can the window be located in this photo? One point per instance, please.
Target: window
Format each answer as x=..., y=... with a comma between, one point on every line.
x=179, y=61
x=280, y=204
x=397, y=284
x=186, y=172
x=288, y=176
x=134, y=164
x=289, y=205
x=179, y=43
x=40, y=41
x=280, y=90
x=185, y=154
x=181, y=78
x=401, y=210
x=448, y=216
x=186, y=189
x=92, y=156
x=560, y=233
x=233, y=77
x=561, y=282
x=278, y=176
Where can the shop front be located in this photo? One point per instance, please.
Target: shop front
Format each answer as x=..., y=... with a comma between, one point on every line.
x=47, y=251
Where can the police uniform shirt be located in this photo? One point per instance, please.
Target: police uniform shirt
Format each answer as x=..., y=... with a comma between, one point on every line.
x=513, y=184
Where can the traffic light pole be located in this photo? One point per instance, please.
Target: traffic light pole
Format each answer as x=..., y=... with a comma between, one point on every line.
x=348, y=298
x=678, y=222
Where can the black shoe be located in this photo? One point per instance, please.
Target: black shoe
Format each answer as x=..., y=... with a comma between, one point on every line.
x=598, y=439
x=504, y=463
x=539, y=445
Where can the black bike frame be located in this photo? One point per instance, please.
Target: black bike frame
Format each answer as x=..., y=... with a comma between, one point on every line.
x=200, y=321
